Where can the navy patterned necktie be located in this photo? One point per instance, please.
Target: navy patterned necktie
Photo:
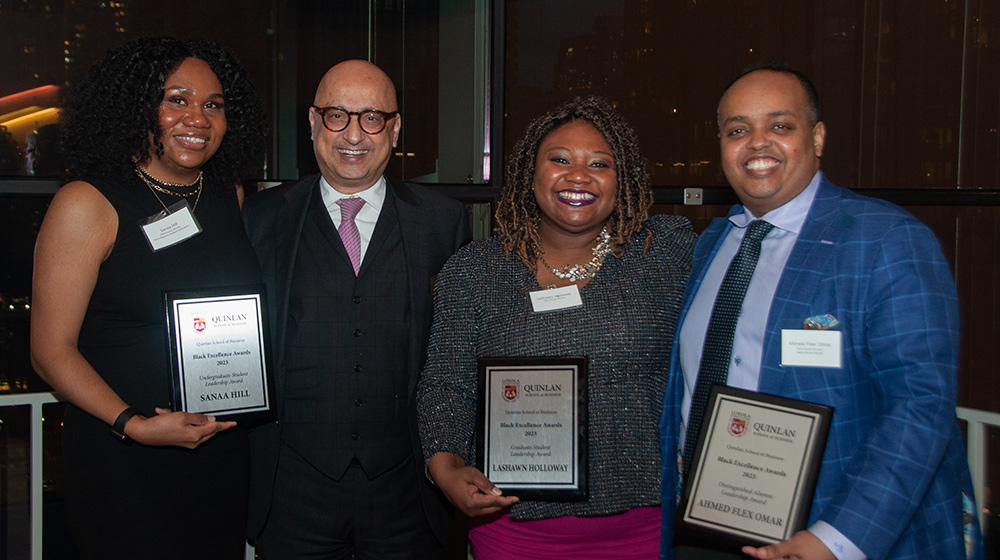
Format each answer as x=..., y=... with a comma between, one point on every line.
x=718, y=350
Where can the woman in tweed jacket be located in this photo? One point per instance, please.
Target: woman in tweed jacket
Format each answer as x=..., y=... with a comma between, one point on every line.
x=577, y=191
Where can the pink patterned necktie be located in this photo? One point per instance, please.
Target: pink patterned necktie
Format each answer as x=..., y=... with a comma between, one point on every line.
x=349, y=208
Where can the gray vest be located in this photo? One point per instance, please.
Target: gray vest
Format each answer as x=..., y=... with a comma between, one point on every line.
x=346, y=371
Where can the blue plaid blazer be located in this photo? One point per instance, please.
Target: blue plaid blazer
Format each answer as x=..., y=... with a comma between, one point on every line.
x=894, y=470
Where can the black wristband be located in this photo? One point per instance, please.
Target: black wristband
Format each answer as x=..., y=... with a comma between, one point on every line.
x=118, y=430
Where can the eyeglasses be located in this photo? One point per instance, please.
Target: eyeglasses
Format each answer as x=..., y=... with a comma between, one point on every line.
x=336, y=119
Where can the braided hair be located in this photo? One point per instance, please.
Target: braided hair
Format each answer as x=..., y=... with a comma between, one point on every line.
x=517, y=212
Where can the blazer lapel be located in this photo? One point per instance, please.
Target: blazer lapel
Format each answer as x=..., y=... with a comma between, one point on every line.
x=319, y=214
x=705, y=249
x=387, y=220
x=810, y=261
x=413, y=229
x=291, y=221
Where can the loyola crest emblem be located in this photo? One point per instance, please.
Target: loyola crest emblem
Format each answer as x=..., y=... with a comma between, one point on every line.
x=199, y=324
x=737, y=426
x=510, y=392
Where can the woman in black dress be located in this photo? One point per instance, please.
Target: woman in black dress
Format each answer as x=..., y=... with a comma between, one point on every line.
x=158, y=121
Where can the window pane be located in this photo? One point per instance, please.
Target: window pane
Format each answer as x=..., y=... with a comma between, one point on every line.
x=980, y=148
x=891, y=78
x=435, y=52
x=20, y=218
x=46, y=47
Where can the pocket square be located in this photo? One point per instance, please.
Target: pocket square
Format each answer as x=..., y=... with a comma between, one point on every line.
x=821, y=322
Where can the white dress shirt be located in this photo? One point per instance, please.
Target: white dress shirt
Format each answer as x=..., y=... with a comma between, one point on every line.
x=374, y=197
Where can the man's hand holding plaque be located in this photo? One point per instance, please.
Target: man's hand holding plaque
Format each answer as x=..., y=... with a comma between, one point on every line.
x=802, y=546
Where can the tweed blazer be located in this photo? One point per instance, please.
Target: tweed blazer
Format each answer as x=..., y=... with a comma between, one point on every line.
x=894, y=470
x=483, y=308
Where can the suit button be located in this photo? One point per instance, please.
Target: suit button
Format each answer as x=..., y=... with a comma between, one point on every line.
x=357, y=402
x=355, y=437
x=357, y=332
x=358, y=368
x=357, y=299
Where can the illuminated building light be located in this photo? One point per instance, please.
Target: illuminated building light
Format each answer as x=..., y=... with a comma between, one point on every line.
x=20, y=113
x=47, y=93
x=36, y=116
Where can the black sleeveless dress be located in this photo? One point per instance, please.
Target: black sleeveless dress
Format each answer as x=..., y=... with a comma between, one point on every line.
x=136, y=501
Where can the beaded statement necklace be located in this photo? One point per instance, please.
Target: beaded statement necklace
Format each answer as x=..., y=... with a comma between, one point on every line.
x=574, y=272
x=157, y=185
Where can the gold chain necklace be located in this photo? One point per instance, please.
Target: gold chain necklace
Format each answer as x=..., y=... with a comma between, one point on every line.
x=574, y=272
x=155, y=183
x=149, y=180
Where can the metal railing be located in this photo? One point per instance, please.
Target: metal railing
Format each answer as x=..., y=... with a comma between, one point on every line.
x=35, y=400
x=976, y=444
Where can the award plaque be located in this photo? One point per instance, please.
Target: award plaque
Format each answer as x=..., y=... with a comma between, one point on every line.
x=754, y=470
x=532, y=430
x=220, y=353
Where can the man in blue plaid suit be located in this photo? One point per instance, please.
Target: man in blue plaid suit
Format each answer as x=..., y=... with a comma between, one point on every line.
x=894, y=480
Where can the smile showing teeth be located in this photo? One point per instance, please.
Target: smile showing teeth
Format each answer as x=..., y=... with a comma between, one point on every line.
x=347, y=152
x=193, y=139
x=576, y=198
x=576, y=195
x=759, y=164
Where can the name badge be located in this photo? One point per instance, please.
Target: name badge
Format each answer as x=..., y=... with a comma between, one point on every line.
x=810, y=348
x=556, y=298
x=170, y=227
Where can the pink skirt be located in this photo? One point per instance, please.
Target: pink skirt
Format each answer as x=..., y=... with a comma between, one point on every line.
x=633, y=535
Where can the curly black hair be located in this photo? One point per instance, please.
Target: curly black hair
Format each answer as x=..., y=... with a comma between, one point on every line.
x=110, y=115
x=517, y=212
